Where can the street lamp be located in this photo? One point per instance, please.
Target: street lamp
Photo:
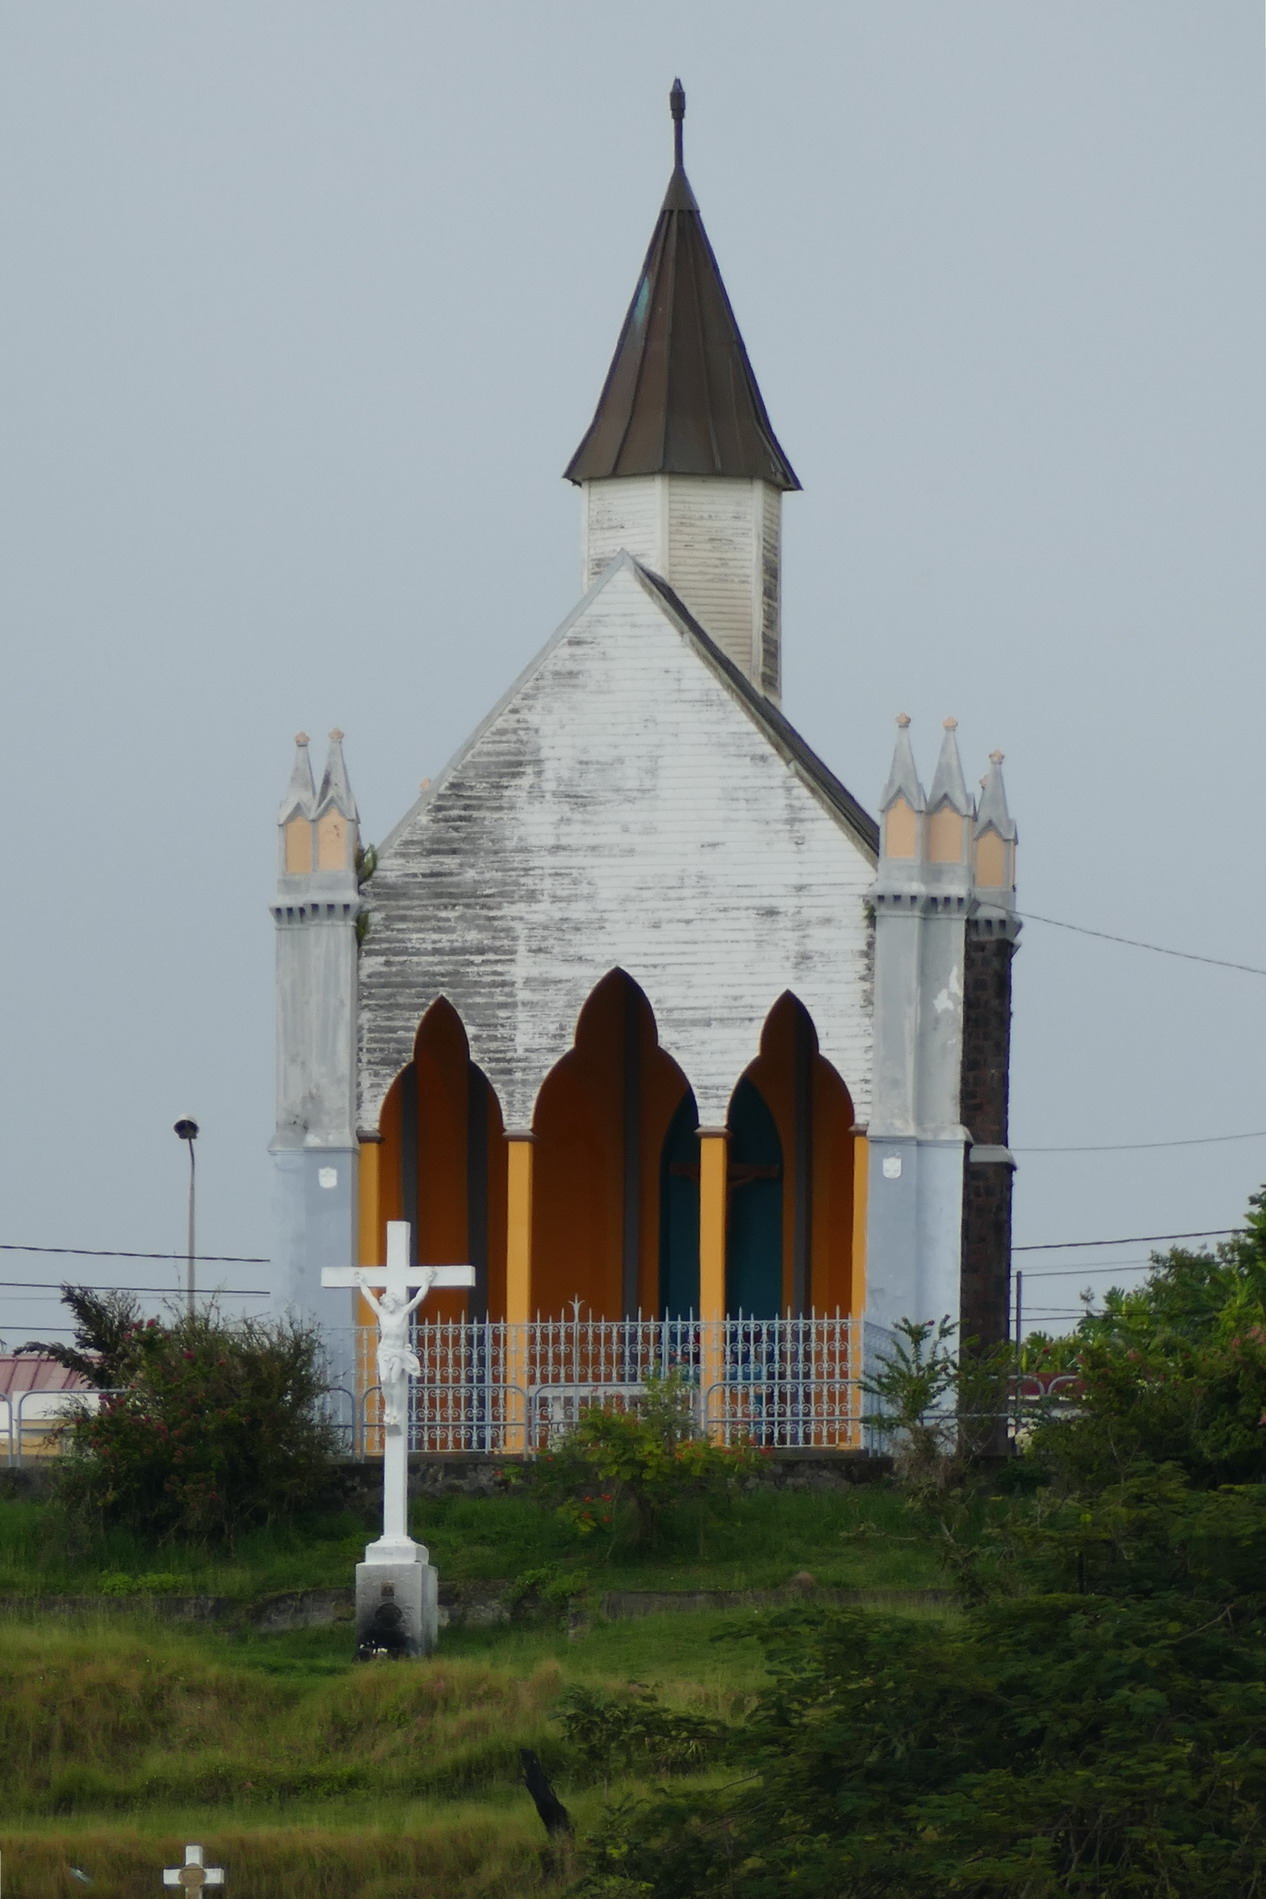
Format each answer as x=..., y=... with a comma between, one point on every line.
x=187, y=1129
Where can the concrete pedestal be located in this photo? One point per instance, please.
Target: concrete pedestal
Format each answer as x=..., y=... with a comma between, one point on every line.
x=397, y=1600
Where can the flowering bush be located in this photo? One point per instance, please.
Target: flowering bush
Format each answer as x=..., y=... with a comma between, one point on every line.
x=630, y=1473
x=212, y=1428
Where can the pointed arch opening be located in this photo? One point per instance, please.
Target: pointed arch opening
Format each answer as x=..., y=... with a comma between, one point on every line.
x=601, y=1121
x=442, y=1165
x=790, y=1226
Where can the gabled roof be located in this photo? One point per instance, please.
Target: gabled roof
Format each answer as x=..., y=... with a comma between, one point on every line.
x=680, y=397
x=778, y=729
x=781, y=734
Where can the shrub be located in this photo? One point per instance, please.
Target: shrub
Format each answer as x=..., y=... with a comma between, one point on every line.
x=217, y=1429
x=631, y=1473
x=634, y=1733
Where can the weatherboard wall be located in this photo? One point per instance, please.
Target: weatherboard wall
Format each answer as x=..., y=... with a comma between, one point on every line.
x=622, y=807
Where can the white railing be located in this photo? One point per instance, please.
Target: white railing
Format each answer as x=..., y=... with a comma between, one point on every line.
x=490, y=1386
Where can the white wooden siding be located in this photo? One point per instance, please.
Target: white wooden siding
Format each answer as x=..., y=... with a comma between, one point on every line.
x=715, y=540
x=624, y=515
x=623, y=807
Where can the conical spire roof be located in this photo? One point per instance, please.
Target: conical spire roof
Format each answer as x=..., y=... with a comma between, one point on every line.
x=335, y=789
x=993, y=809
x=301, y=791
x=948, y=785
x=903, y=778
x=680, y=397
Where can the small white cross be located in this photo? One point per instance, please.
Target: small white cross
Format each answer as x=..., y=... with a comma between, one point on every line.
x=193, y=1875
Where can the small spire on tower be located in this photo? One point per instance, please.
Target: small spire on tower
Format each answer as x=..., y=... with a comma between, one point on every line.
x=994, y=840
x=677, y=106
x=949, y=787
x=993, y=813
x=335, y=788
x=903, y=777
x=301, y=791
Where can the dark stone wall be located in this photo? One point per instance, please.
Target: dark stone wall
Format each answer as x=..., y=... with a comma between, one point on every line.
x=986, y=1290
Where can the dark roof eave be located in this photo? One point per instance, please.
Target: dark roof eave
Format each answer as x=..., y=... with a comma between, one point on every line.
x=780, y=728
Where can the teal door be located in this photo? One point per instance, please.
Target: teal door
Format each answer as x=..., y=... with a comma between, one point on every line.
x=753, y=1250
x=679, y=1213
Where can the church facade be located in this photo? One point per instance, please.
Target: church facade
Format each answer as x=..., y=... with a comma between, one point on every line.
x=640, y=1012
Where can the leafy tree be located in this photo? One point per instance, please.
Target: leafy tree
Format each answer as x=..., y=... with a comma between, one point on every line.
x=1047, y=1746
x=104, y=1328
x=1095, y=1721
x=218, y=1428
x=1172, y=1372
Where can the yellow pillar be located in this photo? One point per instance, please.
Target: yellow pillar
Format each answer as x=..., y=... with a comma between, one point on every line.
x=519, y=1157
x=369, y=1202
x=713, y=1199
x=371, y=1240
x=857, y=1302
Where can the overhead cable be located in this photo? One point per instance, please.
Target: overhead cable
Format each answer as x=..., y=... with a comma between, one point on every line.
x=101, y=1252
x=1134, y=942
x=50, y=1285
x=1132, y=1239
x=1133, y=1147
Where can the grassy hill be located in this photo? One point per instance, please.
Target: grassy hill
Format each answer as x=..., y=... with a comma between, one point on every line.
x=300, y=1770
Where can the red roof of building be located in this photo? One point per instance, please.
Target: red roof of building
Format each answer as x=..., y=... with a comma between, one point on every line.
x=23, y=1373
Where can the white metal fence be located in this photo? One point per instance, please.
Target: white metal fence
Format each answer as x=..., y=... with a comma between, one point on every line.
x=491, y=1386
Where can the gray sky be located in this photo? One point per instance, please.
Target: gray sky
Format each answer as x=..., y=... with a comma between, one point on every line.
x=306, y=306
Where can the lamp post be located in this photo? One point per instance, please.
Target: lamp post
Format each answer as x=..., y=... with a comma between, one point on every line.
x=187, y=1129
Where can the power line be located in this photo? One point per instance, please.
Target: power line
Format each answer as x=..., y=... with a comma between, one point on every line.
x=49, y=1285
x=1133, y=1147
x=1084, y=1272
x=1133, y=1239
x=1134, y=942
x=100, y=1252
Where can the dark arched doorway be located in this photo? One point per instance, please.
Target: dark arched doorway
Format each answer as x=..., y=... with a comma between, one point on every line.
x=812, y=1113
x=679, y=1213
x=753, y=1243
x=600, y=1122
x=442, y=1166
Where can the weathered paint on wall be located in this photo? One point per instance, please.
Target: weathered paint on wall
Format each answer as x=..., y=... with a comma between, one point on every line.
x=716, y=541
x=623, y=807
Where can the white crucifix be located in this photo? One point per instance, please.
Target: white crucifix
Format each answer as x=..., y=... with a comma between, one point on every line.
x=403, y=1288
x=193, y=1875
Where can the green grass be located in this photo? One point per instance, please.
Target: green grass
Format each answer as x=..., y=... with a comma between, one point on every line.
x=118, y=1743
x=862, y=1538
x=122, y=1736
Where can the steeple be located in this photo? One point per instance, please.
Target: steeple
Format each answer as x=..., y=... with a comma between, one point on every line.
x=680, y=397
x=949, y=787
x=301, y=791
x=950, y=809
x=336, y=814
x=680, y=465
x=295, y=816
x=336, y=792
x=995, y=838
x=902, y=805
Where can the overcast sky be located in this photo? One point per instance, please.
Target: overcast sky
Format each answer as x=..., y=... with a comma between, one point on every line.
x=307, y=304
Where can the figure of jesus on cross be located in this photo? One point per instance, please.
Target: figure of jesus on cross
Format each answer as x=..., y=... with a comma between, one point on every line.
x=397, y=1360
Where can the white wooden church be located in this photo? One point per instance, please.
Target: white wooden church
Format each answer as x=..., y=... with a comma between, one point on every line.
x=640, y=1013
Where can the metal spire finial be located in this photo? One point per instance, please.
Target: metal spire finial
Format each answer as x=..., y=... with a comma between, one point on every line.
x=677, y=106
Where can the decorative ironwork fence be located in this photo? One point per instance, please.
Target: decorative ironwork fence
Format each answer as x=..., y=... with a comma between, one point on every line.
x=491, y=1386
